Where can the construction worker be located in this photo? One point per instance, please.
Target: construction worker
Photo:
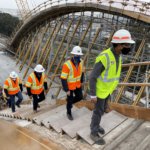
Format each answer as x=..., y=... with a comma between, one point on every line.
x=72, y=76
x=104, y=79
x=13, y=87
x=36, y=84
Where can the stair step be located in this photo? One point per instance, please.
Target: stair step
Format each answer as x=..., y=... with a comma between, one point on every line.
x=43, y=116
x=135, y=138
x=125, y=135
x=109, y=122
x=118, y=131
x=55, y=116
x=75, y=125
x=143, y=145
x=40, y=111
x=28, y=112
x=62, y=121
x=8, y=113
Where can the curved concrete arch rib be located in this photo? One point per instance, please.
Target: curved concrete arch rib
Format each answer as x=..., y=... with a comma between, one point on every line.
x=55, y=9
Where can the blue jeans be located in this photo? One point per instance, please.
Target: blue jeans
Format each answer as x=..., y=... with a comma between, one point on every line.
x=12, y=100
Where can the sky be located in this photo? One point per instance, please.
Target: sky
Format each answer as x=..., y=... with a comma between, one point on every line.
x=11, y=4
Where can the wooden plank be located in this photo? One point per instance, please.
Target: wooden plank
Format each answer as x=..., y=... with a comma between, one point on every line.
x=109, y=138
x=53, y=117
x=132, y=111
x=25, y=115
x=41, y=110
x=43, y=116
x=74, y=126
x=22, y=110
x=109, y=122
x=8, y=113
x=63, y=120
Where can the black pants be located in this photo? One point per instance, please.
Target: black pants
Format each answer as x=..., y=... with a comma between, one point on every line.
x=37, y=98
x=73, y=99
x=98, y=111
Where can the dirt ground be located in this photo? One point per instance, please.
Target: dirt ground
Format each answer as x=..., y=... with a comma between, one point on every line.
x=13, y=137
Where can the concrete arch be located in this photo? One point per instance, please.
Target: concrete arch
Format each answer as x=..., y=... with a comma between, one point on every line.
x=60, y=10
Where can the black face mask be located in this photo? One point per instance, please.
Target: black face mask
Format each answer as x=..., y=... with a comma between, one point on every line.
x=38, y=74
x=77, y=58
x=125, y=51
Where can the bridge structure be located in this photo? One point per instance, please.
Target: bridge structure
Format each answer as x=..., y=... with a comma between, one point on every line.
x=49, y=32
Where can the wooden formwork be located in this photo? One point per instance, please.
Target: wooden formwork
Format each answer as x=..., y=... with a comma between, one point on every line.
x=132, y=111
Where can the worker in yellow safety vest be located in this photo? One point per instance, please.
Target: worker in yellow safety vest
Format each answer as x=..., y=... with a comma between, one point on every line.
x=13, y=87
x=104, y=78
x=36, y=84
x=72, y=76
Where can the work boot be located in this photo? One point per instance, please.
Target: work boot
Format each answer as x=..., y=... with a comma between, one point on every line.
x=69, y=116
x=101, y=130
x=13, y=111
x=97, y=139
x=18, y=105
x=35, y=111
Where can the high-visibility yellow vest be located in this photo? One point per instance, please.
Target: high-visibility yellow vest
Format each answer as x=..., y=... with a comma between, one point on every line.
x=12, y=87
x=36, y=85
x=109, y=78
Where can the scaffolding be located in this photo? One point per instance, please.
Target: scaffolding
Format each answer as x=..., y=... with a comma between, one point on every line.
x=92, y=30
x=23, y=8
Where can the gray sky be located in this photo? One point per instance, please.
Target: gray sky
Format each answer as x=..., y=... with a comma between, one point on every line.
x=12, y=3
x=8, y=4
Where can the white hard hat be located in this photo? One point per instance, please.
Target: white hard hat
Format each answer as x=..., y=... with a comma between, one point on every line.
x=77, y=50
x=13, y=74
x=122, y=36
x=39, y=68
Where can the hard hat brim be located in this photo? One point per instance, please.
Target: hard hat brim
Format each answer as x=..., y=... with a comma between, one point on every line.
x=39, y=71
x=13, y=77
x=127, y=41
x=77, y=53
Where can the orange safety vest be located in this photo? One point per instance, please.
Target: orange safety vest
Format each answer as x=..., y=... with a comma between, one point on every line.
x=11, y=86
x=72, y=74
x=36, y=85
